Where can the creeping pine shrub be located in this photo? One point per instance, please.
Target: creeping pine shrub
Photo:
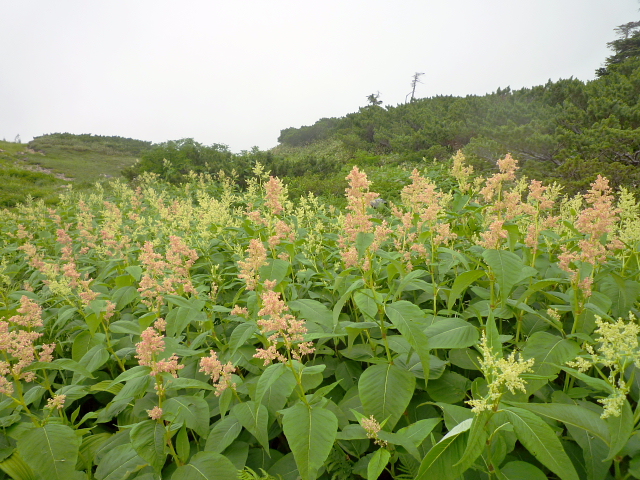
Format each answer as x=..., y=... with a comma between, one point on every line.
x=487, y=330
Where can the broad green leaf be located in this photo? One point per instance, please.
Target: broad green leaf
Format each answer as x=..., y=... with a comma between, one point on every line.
x=119, y=463
x=178, y=319
x=182, y=444
x=573, y=415
x=400, y=439
x=363, y=241
x=95, y=358
x=549, y=351
x=622, y=292
x=477, y=439
x=17, y=468
x=461, y=283
x=337, y=308
x=594, y=452
x=454, y=414
x=404, y=316
x=133, y=372
x=254, y=418
x=51, y=451
x=366, y=303
x=313, y=311
x=267, y=378
x=223, y=433
x=452, y=333
x=597, y=384
x=507, y=268
x=407, y=280
x=417, y=432
x=310, y=433
x=147, y=439
x=83, y=342
x=385, y=391
x=440, y=462
x=206, y=466
x=541, y=441
x=377, y=463
x=181, y=382
x=60, y=364
x=285, y=467
x=451, y=387
x=620, y=429
x=518, y=470
x=124, y=296
x=89, y=447
x=275, y=269
x=240, y=335
x=192, y=410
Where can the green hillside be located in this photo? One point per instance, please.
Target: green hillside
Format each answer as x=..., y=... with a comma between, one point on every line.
x=49, y=163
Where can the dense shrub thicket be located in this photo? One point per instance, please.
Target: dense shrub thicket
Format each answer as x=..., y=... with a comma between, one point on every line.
x=482, y=331
x=568, y=131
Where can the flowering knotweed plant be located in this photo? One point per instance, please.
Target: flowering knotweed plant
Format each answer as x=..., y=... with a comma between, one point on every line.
x=168, y=275
x=150, y=348
x=461, y=171
x=500, y=373
x=372, y=427
x=594, y=223
x=507, y=167
x=357, y=221
x=220, y=374
x=276, y=194
x=282, y=328
x=17, y=342
x=249, y=268
x=615, y=350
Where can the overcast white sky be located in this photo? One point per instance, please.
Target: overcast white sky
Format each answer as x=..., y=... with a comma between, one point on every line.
x=237, y=72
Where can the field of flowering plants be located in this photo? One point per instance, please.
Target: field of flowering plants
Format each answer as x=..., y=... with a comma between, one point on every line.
x=207, y=333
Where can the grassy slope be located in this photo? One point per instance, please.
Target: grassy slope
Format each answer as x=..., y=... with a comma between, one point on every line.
x=21, y=169
x=17, y=181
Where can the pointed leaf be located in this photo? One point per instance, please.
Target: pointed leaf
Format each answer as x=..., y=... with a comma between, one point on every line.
x=268, y=377
x=452, y=333
x=520, y=471
x=240, y=335
x=541, y=441
x=192, y=410
x=440, y=462
x=378, y=461
x=404, y=316
x=620, y=429
x=51, y=451
x=460, y=284
x=223, y=433
x=573, y=415
x=311, y=433
x=507, y=268
x=206, y=466
x=119, y=462
x=477, y=439
x=313, y=311
x=147, y=439
x=254, y=418
x=385, y=391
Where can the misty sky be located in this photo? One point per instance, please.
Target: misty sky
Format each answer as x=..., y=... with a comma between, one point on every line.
x=239, y=71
